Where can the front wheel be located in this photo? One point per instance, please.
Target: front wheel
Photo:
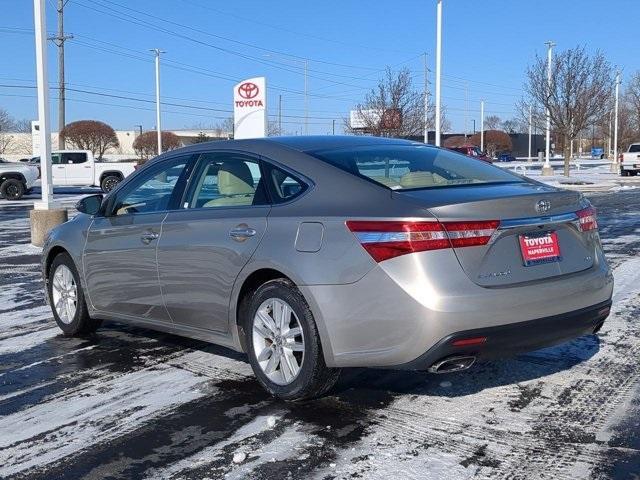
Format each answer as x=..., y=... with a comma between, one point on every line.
x=67, y=298
x=283, y=343
x=12, y=189
x=109, y=182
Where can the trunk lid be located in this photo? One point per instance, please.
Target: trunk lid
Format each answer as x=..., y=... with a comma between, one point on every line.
x=523, y=209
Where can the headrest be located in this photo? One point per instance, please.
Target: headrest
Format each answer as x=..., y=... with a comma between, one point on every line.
x=234, y=178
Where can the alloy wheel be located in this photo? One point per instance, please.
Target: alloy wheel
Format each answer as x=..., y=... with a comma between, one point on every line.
x=64, y=293
x=278, y=341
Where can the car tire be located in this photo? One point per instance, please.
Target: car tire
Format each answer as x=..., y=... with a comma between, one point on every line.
x=66, y=298
x=109, y=182
x=313, y=378
x=12, y=189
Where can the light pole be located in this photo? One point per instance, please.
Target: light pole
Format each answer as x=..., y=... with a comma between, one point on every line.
x=157, y=52
x=614, y=164
x=306, y=97
x=482, y=125
x=438, y=67
x=529, y=157
x=546, y=169
x=45, y=215
x=426, y=100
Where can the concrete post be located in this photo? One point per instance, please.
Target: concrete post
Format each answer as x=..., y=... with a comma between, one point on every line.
x=44, y=220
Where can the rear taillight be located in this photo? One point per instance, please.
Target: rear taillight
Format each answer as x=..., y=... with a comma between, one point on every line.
x=587, y=219
x=388, y=239
x=620, y=157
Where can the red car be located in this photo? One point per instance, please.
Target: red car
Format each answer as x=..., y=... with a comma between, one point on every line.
x=472, y=151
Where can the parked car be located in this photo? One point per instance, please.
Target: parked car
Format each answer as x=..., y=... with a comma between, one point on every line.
x=506, y=157
x=472, y=151
x=80, y=168
x=630, y=160
x=316, y=253
x=16, y=179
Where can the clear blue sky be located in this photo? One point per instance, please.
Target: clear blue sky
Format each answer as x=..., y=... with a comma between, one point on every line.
x=486, y=44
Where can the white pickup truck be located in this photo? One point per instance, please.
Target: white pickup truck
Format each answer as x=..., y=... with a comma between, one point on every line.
x=16, y=179
x=80, y=168
x=630, y=160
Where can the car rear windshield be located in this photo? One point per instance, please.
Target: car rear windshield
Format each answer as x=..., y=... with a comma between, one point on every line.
x=634, y=148
x=407, y=167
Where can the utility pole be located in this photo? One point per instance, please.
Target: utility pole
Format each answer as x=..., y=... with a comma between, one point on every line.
x=139, y=129
x=547, y=169
x=279, y=114
x=333, y=126
x=157, y=52
x=426, y=100
x=614, y=164
x=59, y=40
x=438, y=67
x=530, y=118
x=482, y=125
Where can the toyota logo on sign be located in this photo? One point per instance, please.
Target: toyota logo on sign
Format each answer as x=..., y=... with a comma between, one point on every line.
x=248, y=90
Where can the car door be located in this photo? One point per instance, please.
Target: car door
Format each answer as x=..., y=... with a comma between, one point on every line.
x=120, y=253
x=58, y=170
x=79, y=171
x=205, y=244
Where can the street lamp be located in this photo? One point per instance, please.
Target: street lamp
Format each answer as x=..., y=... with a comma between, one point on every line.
x=157, y=52
x=546, y=169
x=438, y=67
x=45, y=214
x=614, y=164
x=482, y=125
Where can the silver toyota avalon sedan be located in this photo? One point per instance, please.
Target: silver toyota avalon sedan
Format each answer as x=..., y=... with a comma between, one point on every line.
x=316, y=253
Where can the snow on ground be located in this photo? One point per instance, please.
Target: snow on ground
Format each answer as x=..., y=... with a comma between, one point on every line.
x=131, y=403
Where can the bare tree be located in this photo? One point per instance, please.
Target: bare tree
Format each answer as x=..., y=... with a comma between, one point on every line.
x=492, y=122
x=578, y=96
x=9, y=126
x=394, y=109
x=91, y=135
x=146, y=145
x=515, y=125
x=273, y=129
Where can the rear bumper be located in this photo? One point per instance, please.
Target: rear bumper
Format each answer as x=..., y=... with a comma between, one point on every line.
x=511, y=339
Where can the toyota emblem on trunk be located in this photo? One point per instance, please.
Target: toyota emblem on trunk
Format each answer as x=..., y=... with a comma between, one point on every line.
x=543, y=206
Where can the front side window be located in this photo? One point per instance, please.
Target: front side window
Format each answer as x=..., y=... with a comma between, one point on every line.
x=56, y=159
x=152, y=191
x=402, y=167
x=227, y=180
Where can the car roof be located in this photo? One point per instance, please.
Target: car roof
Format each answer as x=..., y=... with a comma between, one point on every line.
x=309, y=143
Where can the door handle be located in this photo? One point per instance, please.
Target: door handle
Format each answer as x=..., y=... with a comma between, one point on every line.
x=241, y=232
x=148, y=237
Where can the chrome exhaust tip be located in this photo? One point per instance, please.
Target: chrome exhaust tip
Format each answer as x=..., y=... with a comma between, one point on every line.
x=452, y=364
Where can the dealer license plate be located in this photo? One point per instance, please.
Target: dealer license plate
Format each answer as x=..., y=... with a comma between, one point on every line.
x=537, y=249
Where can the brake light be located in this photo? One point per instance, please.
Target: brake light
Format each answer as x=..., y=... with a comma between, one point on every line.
x=620, y=157
x=587, y=219
x=388, y=239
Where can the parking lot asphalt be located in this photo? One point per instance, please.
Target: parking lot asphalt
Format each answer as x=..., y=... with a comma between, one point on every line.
x=130, y=403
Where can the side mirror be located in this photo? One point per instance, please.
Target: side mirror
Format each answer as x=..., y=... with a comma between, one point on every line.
x=90, y=205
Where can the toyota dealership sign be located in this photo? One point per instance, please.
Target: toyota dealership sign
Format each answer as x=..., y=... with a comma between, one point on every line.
x=250, y=108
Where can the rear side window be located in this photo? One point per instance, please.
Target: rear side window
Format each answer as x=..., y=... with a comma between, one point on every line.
x=283, y=186
x=74, y=157
x=403, y=167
